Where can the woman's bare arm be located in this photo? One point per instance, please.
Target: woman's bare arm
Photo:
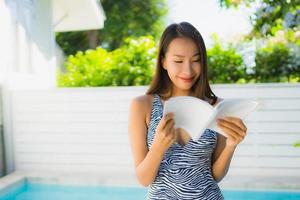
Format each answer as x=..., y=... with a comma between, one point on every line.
x=221, y=158
x=146, y=162
x=235, y=130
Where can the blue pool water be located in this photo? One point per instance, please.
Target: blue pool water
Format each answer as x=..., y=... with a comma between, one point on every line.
x=31, y=191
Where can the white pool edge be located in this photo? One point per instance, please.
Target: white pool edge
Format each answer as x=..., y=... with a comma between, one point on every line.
x=12, y=181
x=85, y=179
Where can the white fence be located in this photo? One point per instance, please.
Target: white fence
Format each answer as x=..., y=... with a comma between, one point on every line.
x=85, y=130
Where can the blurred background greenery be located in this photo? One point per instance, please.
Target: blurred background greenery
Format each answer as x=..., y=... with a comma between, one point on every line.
x=123, y=53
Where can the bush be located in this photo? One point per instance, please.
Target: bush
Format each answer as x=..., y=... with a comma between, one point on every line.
x=132, y=64
x=271, y=62
x=277, y=62
x=225, y=65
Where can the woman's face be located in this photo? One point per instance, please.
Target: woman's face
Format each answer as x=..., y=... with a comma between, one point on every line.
x=182, y=62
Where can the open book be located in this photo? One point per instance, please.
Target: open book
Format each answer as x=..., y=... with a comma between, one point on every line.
x=195, y=115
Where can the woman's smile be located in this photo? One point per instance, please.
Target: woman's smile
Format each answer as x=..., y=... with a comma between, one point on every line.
x=186, y=79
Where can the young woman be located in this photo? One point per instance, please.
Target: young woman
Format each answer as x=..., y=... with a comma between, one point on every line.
x=168, y=160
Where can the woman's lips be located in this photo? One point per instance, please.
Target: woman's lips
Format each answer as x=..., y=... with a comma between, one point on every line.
x=186, y=79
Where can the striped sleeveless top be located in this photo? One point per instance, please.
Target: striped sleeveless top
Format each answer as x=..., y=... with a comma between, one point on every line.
x=185, y=171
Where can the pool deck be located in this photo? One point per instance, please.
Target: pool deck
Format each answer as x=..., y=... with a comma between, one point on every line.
x=233, y=183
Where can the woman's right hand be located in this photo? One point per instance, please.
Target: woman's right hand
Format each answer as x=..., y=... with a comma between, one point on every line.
x=165, y=134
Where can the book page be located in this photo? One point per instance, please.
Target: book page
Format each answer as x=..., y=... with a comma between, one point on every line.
x=239, y=108
x=191, y=114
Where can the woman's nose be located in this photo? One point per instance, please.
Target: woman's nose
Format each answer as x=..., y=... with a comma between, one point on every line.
x=187, y=68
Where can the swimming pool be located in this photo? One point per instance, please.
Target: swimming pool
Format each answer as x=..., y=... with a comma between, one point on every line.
x=38, y=191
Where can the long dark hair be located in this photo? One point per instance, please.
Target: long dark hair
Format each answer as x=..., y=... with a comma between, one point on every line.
x=161, y=83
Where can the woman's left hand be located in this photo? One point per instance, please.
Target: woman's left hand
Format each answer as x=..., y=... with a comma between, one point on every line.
x=234, y=128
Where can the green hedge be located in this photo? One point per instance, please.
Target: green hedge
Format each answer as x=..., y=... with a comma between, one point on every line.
x=134, y=63
x=277, y=62
x=225, y=65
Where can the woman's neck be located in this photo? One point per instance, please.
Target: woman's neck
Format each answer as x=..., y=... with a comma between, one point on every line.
x=165, y=97
x=178, y=92
x=181, y=93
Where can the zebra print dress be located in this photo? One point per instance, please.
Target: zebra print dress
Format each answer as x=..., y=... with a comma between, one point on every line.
x=185, y=171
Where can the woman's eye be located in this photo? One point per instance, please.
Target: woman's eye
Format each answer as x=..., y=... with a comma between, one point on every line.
x=197, y=60
x=178, y=61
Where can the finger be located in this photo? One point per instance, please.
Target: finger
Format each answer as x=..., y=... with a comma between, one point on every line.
x=168, y=115
x=233, y=126
x=169, y=126
x=165, y=119
x=173, y=134
x=237, y=121
x=231, y=133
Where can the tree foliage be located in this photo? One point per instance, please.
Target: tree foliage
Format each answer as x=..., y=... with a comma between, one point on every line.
x=131, y=18
x=271, y=15
x=225, y=65
x=131, y=64
x=277, y=62
x=124, y=18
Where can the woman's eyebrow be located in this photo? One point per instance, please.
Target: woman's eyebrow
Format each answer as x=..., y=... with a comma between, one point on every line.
x=196, y=54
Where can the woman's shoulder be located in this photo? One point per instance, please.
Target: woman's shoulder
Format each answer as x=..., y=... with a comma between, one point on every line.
x=142, y=99
x=143, y=102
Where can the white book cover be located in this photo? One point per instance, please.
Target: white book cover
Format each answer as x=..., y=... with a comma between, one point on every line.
x=195, y=115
